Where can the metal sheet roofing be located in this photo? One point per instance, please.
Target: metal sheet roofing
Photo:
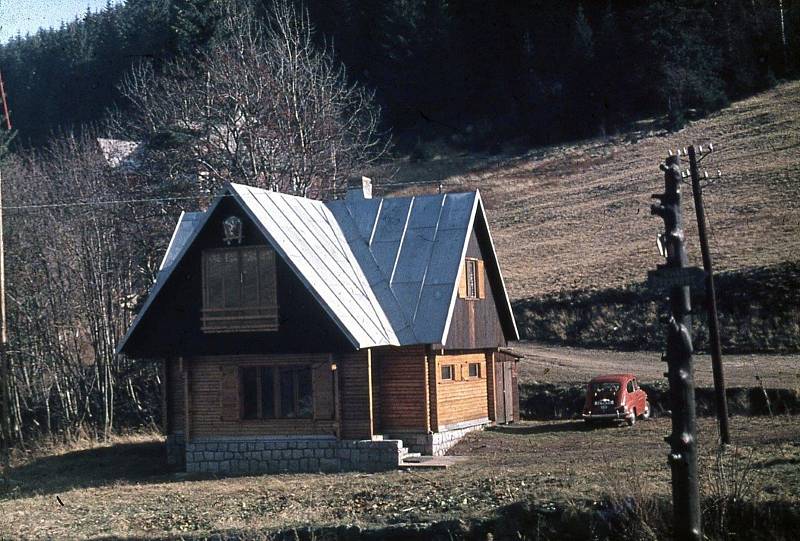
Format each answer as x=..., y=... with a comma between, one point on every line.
x=386, y=270
x=187, y=222
x=418, y=244
x=305, y=233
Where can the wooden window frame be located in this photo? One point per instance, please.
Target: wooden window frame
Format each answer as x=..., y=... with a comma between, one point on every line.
x=472, y=286
x=479, y=371
x=260, y=318
x=452, y=369
x=276, y=392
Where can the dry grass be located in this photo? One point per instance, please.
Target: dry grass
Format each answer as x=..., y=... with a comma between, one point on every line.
x=123, y=490
x=564, y=217
x=553, y=364
x=577, y=216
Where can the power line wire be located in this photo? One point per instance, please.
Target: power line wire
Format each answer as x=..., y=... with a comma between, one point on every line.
x=66, y=204
x=110, y=202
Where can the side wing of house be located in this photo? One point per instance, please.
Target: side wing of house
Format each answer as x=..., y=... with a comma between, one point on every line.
x=464, y=368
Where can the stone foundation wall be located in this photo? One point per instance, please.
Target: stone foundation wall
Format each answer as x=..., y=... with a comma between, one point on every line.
x=176, y=450
x=274, y=455
x=438, y=443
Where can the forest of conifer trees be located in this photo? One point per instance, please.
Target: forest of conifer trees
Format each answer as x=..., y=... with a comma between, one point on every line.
x=473, y=73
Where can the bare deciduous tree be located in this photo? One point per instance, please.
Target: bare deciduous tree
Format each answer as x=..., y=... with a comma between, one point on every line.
x=263, y=106
x=73, y=261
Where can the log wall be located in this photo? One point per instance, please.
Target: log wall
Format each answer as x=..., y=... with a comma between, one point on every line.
x=403, y=392
x=209, y=405
x=490, y=385
x=355, y=400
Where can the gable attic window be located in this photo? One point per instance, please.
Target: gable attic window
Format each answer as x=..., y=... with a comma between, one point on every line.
x=471, y=286
x=239, y=290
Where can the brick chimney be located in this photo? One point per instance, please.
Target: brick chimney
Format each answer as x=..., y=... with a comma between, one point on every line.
x=359, y=187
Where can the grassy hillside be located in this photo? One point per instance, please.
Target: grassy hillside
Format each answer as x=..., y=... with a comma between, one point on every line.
x=577, y=216
x=124, y=491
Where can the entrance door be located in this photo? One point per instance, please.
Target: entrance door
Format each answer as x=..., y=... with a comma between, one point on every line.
x=508, y=391
x=504, y=392
x=499, y=392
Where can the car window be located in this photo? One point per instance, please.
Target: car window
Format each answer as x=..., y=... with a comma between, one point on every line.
x=630, y=386
x=604, y=390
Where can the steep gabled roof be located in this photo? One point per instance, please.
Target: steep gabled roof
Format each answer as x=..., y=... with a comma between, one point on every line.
x=385, y=270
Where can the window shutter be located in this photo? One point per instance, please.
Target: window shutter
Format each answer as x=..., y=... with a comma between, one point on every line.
x=481, y=280
x=322, y=385
x=462, y=284
x=229, y=392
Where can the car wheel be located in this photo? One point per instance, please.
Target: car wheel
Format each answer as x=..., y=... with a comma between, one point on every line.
x=646, y=414
x=631, y=420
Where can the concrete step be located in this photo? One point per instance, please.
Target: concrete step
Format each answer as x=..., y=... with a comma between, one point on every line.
x=430, y=462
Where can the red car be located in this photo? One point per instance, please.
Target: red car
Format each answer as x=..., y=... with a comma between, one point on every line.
x=615, y=397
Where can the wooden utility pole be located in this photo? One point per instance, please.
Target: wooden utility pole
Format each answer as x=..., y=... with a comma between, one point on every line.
x=711, y=302
x=676, y=278
x=4, y=387
x=5, y=421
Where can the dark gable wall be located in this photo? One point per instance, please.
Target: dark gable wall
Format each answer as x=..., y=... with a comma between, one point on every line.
x=172, y=325
x=476, y=324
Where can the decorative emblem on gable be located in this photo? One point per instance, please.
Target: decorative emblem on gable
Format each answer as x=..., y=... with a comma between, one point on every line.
x=232, y=230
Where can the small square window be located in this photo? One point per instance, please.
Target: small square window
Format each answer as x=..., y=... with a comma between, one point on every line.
x=448, y=373
x=474, y=370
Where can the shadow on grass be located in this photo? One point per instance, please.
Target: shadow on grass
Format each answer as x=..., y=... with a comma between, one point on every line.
x=127, y=463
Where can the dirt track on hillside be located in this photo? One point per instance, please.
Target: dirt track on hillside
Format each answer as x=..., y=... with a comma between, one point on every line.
x=553, y=364
x=577, y=216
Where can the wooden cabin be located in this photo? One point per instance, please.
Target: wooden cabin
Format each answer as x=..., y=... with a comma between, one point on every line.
x=301, y=335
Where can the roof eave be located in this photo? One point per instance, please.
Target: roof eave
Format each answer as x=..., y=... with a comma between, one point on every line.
x=164, y=276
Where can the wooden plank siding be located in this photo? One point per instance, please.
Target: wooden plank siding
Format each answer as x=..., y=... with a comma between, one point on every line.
x=464, y=398
x=515, y=389
x=355, y=388
x=475, y=323
x=505, y=357
x=209, y=416
x=403, y=392
x=177, y=330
